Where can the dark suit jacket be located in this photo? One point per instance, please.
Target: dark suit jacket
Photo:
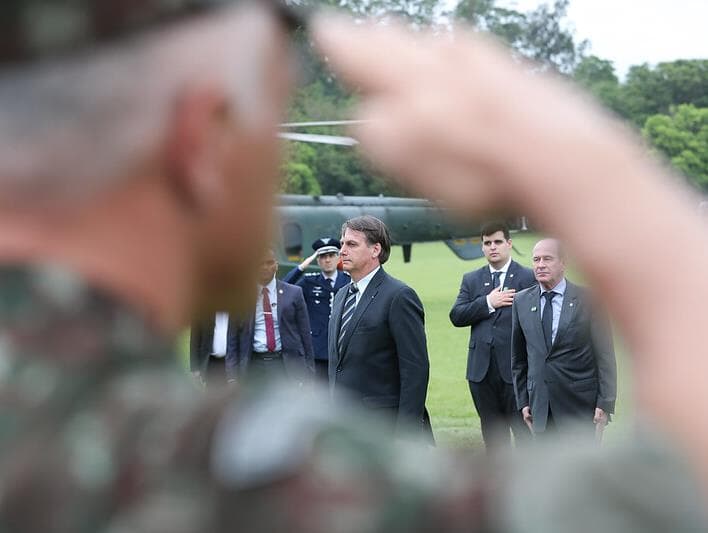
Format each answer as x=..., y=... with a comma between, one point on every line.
x=488, y=329
x=201, y=342
x=294, y=327
x=384, y=359
x=318, y=296
x=579, y=372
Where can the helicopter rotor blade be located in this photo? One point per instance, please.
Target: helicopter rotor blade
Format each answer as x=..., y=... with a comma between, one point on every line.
x=322, y=123
x=319, y=139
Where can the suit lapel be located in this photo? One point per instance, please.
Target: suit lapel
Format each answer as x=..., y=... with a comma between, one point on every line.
x=280, y=297
x=570, y=304
x=366, y=298
x=534, y=305
x=510, y=279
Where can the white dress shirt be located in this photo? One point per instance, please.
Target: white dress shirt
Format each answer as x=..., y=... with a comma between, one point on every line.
x=557, y=305
x=332, y=277
x=221, y=330
x=363, y=283
x=260, y=343
x=502, y=279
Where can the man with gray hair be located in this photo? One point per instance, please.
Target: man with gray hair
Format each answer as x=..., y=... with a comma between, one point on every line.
x=562, y=358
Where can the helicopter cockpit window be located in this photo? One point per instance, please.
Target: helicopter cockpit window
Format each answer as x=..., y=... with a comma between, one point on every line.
x=292, y=239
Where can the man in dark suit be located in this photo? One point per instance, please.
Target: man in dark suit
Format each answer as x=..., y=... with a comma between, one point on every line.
x=319, y=289
x=484, y=302
x=276, y=341
x=562, y=357
x=208, y=345
x=377, y=342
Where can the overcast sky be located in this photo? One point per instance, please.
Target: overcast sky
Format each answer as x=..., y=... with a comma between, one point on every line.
x=631, y=32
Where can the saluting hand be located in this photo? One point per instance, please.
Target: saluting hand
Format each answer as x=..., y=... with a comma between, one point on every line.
x=306, y=263
x=501, y=298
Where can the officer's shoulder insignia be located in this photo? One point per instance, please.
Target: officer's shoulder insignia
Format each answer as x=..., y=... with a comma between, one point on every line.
x=312, y=274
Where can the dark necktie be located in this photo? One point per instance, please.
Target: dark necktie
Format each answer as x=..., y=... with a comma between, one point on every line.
x=547, y=318
x=331, y=283
x=347, y=313
x=269, y=324
x=496, y=276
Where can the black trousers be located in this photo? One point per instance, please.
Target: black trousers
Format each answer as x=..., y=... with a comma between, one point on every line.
x=266, y=367
x=495, y=402
x=215, y=371
x=322, y=370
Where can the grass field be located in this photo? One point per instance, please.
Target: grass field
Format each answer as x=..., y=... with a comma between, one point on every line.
x=435, y=273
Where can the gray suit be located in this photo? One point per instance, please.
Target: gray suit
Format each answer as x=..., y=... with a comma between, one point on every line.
x=577, y=375
x=294, y=326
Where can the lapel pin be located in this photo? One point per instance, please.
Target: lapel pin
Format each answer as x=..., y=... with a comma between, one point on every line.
x=533, y=309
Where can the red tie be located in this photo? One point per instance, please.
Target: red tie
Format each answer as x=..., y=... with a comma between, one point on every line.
x=268, y=315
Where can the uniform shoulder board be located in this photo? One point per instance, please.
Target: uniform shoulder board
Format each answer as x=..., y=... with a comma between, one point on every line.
x=312, y=274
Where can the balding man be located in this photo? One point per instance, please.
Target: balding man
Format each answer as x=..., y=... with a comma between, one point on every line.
x=562, y=358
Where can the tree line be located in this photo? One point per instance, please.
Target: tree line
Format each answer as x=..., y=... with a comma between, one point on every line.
x=667, y=103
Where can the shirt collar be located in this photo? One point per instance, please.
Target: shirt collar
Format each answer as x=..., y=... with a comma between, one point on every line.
x=333, y=277
x=503, y=269
x=363, y=283
x=558, y=289
x=270, y=286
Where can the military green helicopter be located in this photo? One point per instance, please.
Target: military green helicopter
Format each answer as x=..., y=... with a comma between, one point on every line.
x=304, y=219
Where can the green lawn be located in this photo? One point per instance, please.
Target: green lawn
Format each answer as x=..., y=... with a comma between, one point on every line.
x=435, y=273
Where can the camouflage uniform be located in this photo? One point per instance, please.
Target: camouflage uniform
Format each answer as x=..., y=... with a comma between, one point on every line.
x=101, y=431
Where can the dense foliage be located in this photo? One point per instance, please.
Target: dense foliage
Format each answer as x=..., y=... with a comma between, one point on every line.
x=667, y=102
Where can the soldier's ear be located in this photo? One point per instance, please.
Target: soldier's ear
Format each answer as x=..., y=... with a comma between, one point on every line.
x=196, y=124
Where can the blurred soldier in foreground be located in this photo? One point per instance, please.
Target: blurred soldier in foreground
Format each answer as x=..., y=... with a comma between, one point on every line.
x=125, y=172
x=127, y=164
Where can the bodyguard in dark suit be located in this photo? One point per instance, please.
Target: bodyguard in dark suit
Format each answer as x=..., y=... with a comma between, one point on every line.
x=377, y=344
x=208, y=346
x=276, y=341
x=484, y=303
x=563, y=360
x=319, y=289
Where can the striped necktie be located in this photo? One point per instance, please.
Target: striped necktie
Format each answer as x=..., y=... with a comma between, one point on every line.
x=347, y=313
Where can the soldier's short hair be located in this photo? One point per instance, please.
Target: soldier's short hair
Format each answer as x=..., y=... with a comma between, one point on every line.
x=68, y=70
